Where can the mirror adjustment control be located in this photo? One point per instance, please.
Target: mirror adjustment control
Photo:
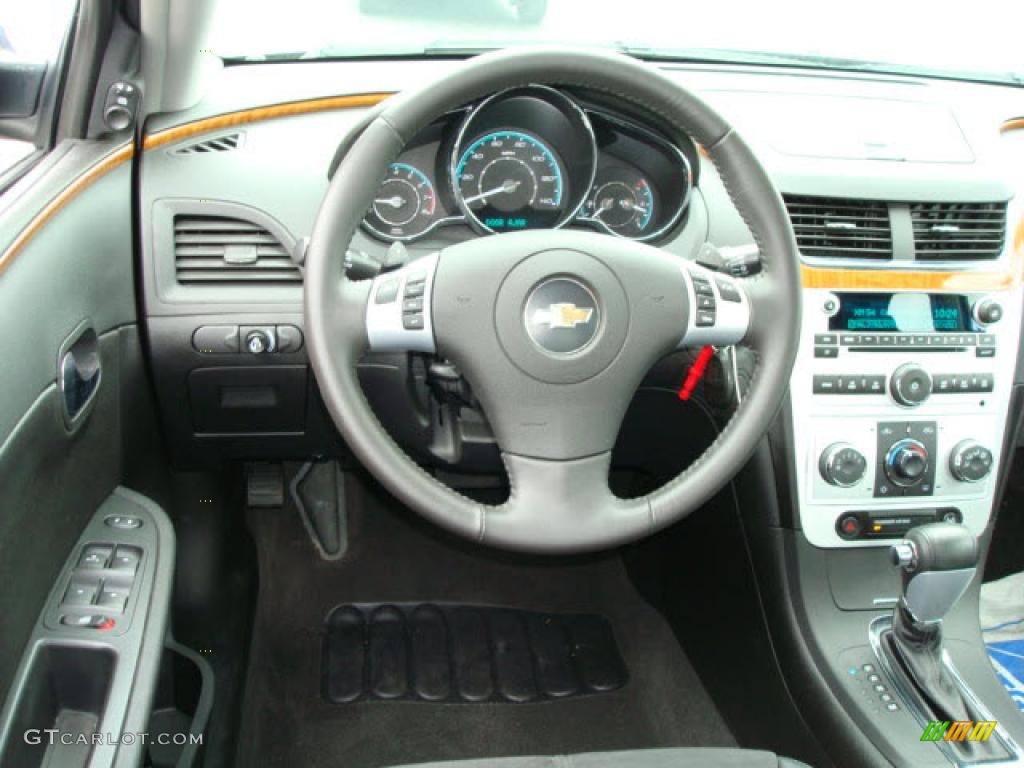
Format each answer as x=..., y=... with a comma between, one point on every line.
x=970, y=462
x=258, y=342
x=910, y=385
x=842, y=465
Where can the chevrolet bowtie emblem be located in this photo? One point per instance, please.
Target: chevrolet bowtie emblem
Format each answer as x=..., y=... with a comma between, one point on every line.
x=562, y=316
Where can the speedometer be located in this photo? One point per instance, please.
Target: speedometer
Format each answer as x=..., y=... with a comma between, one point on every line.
x=510, y=180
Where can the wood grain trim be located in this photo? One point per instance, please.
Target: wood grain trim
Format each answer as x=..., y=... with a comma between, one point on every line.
x=910, y=280
x=1016, y=124
x=93, y=174
x=245, y=116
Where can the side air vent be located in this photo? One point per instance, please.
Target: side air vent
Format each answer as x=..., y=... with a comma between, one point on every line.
x=220, y=250
x=958, y=231
x=839, y=228
x=220, y=144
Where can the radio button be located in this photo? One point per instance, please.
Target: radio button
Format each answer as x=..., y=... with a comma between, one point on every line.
x=826, y=351
x=985, y=351
x=849, y=339
x=825, y=338
x=825, y=385
x=886, y=340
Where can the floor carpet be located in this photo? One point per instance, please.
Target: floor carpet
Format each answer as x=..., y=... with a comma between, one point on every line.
x=393, y=557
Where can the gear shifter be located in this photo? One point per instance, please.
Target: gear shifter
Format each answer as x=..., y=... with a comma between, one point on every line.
x=938, y=562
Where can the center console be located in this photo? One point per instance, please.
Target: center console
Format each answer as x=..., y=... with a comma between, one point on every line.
x=899, y=403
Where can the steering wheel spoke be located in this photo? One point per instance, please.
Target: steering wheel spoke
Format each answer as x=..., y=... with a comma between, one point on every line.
x=720, y=309
x=563, y=502
x=398, y=316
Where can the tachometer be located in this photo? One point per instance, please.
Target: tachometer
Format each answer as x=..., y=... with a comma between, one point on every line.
x=510, y=180
x=405, y=205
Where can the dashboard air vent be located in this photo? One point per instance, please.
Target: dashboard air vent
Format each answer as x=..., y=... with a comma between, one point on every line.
x=958, y=231
x=220, y=250
x=219, y=144
x=839, y=228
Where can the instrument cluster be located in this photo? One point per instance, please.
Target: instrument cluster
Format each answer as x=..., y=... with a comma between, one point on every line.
x=534, y=158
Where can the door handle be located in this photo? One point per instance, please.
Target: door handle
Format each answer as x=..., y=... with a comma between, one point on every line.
x=79, y=372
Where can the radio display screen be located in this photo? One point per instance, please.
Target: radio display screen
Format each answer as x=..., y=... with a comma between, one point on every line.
x=901, y=313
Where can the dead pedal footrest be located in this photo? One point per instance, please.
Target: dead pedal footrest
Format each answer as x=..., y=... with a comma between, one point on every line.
x=442, y=652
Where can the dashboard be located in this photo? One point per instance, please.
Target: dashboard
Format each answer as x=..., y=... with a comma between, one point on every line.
x=900, y=191
x=535, y=158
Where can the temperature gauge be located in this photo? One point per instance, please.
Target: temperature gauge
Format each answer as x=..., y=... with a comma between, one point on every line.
x=405, y=206
x=622, y=201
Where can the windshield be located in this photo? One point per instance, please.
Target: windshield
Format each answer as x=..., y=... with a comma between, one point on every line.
x=977, y=40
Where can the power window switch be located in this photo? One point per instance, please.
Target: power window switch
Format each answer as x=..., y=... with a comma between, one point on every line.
x=126, y=559
x=95, y=556
x=113, y=598
x=80, y=592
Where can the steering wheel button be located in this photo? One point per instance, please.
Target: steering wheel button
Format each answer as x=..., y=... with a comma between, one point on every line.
x=413, y=322
x=413, y=305
x=705, y=302
x=413, y=290
x=387, y=291
x=728, y=291
x=705, y=318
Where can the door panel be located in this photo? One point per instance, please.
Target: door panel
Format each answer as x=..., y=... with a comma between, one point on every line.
x=65, y=259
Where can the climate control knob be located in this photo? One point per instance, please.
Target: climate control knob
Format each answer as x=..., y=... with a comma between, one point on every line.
x=910, y=384
x=841, y=464
x=906, y=463
x=970, y=461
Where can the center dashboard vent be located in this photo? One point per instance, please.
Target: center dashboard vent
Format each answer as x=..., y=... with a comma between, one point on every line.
x=958, y=231
x=839, y=228
x=213, y=250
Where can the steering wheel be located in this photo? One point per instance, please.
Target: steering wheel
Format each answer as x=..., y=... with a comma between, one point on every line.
x=553, y=330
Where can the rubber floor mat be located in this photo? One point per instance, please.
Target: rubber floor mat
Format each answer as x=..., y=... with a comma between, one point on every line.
x=461, y=653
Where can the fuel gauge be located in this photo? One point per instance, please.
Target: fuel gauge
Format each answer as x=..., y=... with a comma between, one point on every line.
x=622, y=201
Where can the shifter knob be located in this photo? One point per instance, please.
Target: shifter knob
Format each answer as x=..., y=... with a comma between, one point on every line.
x=938, y=562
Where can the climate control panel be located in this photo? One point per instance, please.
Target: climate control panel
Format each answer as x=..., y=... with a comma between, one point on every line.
x=898, y=404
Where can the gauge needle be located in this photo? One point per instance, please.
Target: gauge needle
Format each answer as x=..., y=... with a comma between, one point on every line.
x=395, y=202
x=507, y=186
x=603, y=206
x=632, y=205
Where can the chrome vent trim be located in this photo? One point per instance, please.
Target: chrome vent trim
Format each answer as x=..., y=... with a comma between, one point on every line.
x=225, y=143
x=830, y=227
x=211, y=250
x=958, y=231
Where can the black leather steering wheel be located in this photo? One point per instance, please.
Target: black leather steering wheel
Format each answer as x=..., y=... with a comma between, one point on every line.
x=554, y=330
